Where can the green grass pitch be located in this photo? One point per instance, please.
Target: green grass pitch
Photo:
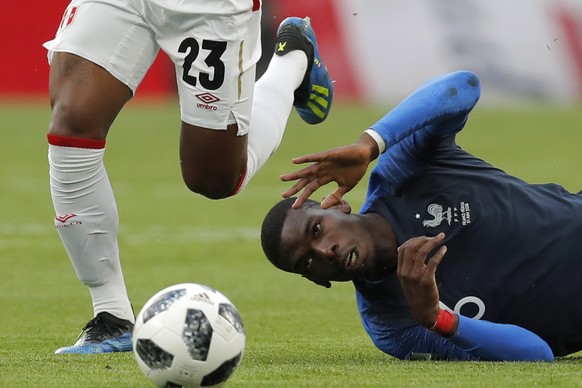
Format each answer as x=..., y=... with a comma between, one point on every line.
x=299, y=335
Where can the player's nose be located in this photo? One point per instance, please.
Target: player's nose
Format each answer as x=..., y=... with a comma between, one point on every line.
x=326, y=250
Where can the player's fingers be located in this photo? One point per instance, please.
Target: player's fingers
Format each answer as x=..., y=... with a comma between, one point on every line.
x=404, y=258
x=400, y=251
x=298, y=203
x=307, y=191
x=303, y=173
x=424, y=252
x=310, y=158
x=435, y=260
x=297, y=187
x=334, y=198
x=416, y=250
x=429, y=245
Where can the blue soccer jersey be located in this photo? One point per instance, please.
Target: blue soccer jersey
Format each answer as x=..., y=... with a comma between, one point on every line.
x=513, y=254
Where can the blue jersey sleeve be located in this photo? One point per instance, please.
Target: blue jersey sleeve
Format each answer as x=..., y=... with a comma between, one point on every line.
x=499, y=342
x=386, y=317
x=404, y=342
x=441, y=106
x=474, y=340
x=415, y=128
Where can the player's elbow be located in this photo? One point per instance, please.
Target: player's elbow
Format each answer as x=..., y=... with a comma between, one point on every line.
x=542, y=352
x=470, y=85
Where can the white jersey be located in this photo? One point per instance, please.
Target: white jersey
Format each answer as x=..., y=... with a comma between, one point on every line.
x=214, y=45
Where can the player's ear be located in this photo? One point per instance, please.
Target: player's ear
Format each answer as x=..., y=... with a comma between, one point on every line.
x=323, y=283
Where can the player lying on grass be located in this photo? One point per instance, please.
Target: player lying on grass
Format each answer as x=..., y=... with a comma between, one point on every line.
x=230, y=124
x=449, y=255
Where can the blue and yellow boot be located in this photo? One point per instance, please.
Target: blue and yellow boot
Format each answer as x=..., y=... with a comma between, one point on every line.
x=314, y=96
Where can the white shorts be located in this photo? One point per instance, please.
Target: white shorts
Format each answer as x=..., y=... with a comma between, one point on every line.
x=214, y=44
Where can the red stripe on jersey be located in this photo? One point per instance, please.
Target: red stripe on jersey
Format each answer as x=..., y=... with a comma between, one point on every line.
x=256, y=5
x=75, y=142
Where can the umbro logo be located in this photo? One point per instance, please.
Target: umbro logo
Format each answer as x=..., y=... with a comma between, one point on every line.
x=207, y=98
x=64, y=217
x=64, y=220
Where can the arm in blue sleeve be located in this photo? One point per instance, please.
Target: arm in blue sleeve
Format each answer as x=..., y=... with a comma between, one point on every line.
x=442, y=105
x=403, y=342
x=490, y=341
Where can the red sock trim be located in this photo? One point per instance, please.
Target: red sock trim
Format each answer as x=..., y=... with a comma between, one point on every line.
x=240, y=183
x=75, y=142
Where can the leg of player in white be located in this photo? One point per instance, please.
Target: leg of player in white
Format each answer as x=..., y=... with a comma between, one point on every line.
x=86, y=97
x=272, y=105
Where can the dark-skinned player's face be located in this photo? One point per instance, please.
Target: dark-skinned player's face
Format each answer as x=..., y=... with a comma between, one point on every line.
x=326, y=245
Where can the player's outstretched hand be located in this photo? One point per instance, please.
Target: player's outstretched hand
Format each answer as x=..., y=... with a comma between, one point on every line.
x=344, y=165
x=416, y=273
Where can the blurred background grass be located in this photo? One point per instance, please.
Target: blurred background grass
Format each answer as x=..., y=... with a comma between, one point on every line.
x=298, y=334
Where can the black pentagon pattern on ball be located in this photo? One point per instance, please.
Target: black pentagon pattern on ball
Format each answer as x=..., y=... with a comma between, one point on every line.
x=162, y=303
x=222, y=373
x=197, y=334
x=228, y=312
x=152, y=355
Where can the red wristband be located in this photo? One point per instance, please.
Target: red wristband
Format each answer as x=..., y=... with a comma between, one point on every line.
x=444, y=323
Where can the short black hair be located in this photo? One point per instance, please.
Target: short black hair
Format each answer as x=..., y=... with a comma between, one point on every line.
x=273, y=226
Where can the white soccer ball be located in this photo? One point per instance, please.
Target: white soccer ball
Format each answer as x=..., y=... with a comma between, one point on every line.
x=188, y=335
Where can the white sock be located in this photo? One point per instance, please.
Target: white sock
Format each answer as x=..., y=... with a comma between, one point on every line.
x=272, y=104
x=87, y=222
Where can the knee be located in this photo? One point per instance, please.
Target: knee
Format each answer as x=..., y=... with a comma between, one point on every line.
x=65, y=117
x=212, y=187
x=71, y=119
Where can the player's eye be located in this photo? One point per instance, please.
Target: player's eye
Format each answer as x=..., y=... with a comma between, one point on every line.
x=316, y=228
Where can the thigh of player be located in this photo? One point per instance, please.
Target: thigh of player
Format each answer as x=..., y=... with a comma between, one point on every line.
x=215, y=56
x=101, y=52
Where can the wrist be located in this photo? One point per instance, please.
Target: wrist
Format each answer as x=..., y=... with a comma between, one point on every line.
x=378, y=142
x=446, y=323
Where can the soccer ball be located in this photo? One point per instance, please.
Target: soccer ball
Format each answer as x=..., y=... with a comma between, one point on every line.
x=188, y=335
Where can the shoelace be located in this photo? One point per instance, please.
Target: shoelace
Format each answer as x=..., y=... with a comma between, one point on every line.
x=98, y=329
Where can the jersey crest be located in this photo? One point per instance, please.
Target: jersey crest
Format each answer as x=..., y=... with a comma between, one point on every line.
x=68, y=17
x=437, y=215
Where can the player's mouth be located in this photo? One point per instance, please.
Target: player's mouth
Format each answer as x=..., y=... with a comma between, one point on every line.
x=351, y=259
